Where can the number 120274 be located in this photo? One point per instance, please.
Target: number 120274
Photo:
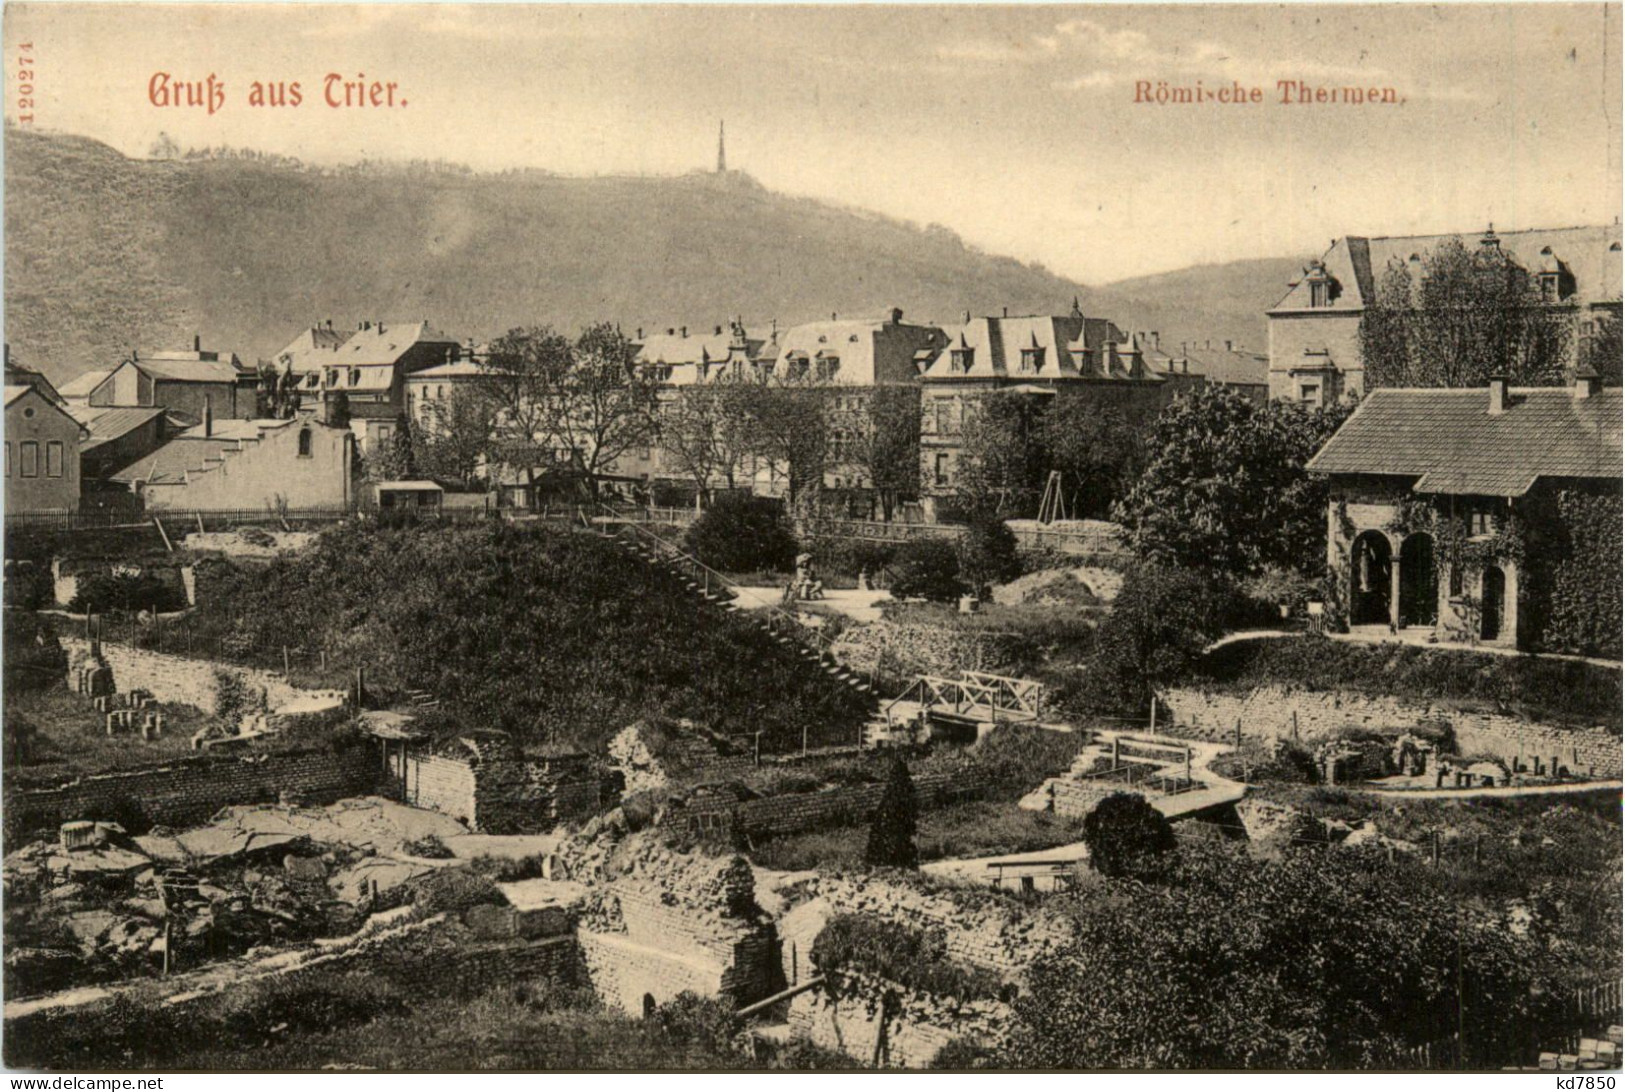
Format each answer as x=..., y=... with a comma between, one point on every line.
x=25, y=83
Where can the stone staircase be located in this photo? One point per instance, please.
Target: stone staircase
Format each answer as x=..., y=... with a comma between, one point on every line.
x=717, y=590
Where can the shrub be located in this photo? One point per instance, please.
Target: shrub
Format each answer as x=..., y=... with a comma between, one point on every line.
x=891, y=831
x=100, y=592
x=429, y=847
x=851, y=556
x=926, y=569
x=234, y=696
x=1126, y=836
x=742, y=533
x=703, y=1022
x=987, y=553
x=28, y=585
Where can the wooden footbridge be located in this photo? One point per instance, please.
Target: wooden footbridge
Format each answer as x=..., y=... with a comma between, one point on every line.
x=961, y=709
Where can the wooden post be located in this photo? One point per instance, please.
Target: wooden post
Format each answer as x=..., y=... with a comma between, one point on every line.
x=168, y=943
x=1187, y=764
x=360, y=685
x=286, y=670
x=758, y=747
x=324, y=661
x=1153, y=714
x=1238, y=732
x=1294, y=726
x=804, y=740
x=1116, y=741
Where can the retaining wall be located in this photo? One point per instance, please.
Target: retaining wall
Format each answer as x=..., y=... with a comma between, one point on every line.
x=1269, y=712
x=181, y=679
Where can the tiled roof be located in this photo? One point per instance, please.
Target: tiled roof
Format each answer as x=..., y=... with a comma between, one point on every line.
x=998, y=345
x=462, y=369
x=383, y=343
x=315, y=346
x=1221, y=365
x=1355, y=263
x=1451, y=443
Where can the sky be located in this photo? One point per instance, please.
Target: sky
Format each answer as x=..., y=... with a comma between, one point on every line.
x=1016, y=127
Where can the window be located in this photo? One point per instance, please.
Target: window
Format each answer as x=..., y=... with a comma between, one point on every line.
x=29, y=450
x=355, y=377
x=1455, y=582
x=53, y=459
x=961, y=360
x=304, y=443
x=1309, y=392
x=947, y=417
x=943, y=464
x=1032, y=360
x=440, y=392
x=1484, y=521
x=1318, y=296
x=1548, y=287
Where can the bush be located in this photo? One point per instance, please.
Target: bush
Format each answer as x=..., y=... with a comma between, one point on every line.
x=851, y=556
x=926, y=569
x=741, y=533
x=99, y=592
x=913, y=958
x=28, y=585
x=234, y=697
x=1126, y=836
x=987, y=553
x=429, y=847
x=34, y=658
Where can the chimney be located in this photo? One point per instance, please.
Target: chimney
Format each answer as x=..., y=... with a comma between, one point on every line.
x=640, y=333
x=1229, y=345
x=1156, y=340
x=833, y=317
x=717, y=331
x=208, y=416
x=685, y=331
x=964, y=317
x=1498, y=395
x=1007, y=312
x=197, y=343
x=1586, y=382
x=896, y=316
x=671, y=331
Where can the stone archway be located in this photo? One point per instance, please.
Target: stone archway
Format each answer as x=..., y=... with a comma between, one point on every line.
x=1370, y=579
x=1492, y=606
x=1418, y=582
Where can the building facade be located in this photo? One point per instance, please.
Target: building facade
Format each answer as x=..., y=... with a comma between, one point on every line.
x=42, y=453
x=1037, y=356
x=188, y=383
x=1443, y=502
x=298, y=462
x=1314, y=331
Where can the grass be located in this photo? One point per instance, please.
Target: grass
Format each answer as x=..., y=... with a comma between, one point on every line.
x=977, y=829
x=72, y=737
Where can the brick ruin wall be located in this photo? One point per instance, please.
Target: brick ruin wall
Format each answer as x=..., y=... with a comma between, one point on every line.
x=501, y=796
x=189, y=791
x=916, y=1030
x=1269, y=711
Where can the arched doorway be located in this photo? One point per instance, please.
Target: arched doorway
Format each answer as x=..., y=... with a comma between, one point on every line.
x=1493, y=608
x=1371, y=569
x=1418, y=582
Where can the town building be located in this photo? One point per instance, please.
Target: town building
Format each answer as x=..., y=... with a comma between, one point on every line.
x=1315, y=328
x=77, y=391
x=306, y=355
x=1193, y=363
x=42, y=453
x=369, y=369
x=429, y=393
x=1445, y=503
x=188, y=383
x=116, y=437
x=1038, y=356
x=260, y=464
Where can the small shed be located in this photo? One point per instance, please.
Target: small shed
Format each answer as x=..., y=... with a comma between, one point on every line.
x=410, y=494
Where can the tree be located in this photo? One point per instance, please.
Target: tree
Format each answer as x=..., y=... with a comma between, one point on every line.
x=891, y=831
x=457, y=433
x=604, y=407
x=1126, y=836
x=1460, y=318
x=338, y=410
x=1003, y=462
x=403, y=456
x=1097, y=447
x=880, y=435
x=1226, y=487
x=787, y=424
x=742, y=534
x=527, y=366
x=987, y=552
x=164, y=148
x=703, y=428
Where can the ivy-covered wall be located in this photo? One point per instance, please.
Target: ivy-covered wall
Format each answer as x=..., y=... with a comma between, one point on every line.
x=1573, y=592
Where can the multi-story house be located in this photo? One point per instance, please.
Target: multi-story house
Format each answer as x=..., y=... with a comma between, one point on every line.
x=1193, y=363
x=1315, y=328
x=370, y=368
x=1037, y=356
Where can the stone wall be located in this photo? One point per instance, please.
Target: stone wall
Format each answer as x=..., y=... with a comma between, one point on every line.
x=917, y=1027
x=191, y=790
x=183, y=680
x=500, y=793
x=1269, y=712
